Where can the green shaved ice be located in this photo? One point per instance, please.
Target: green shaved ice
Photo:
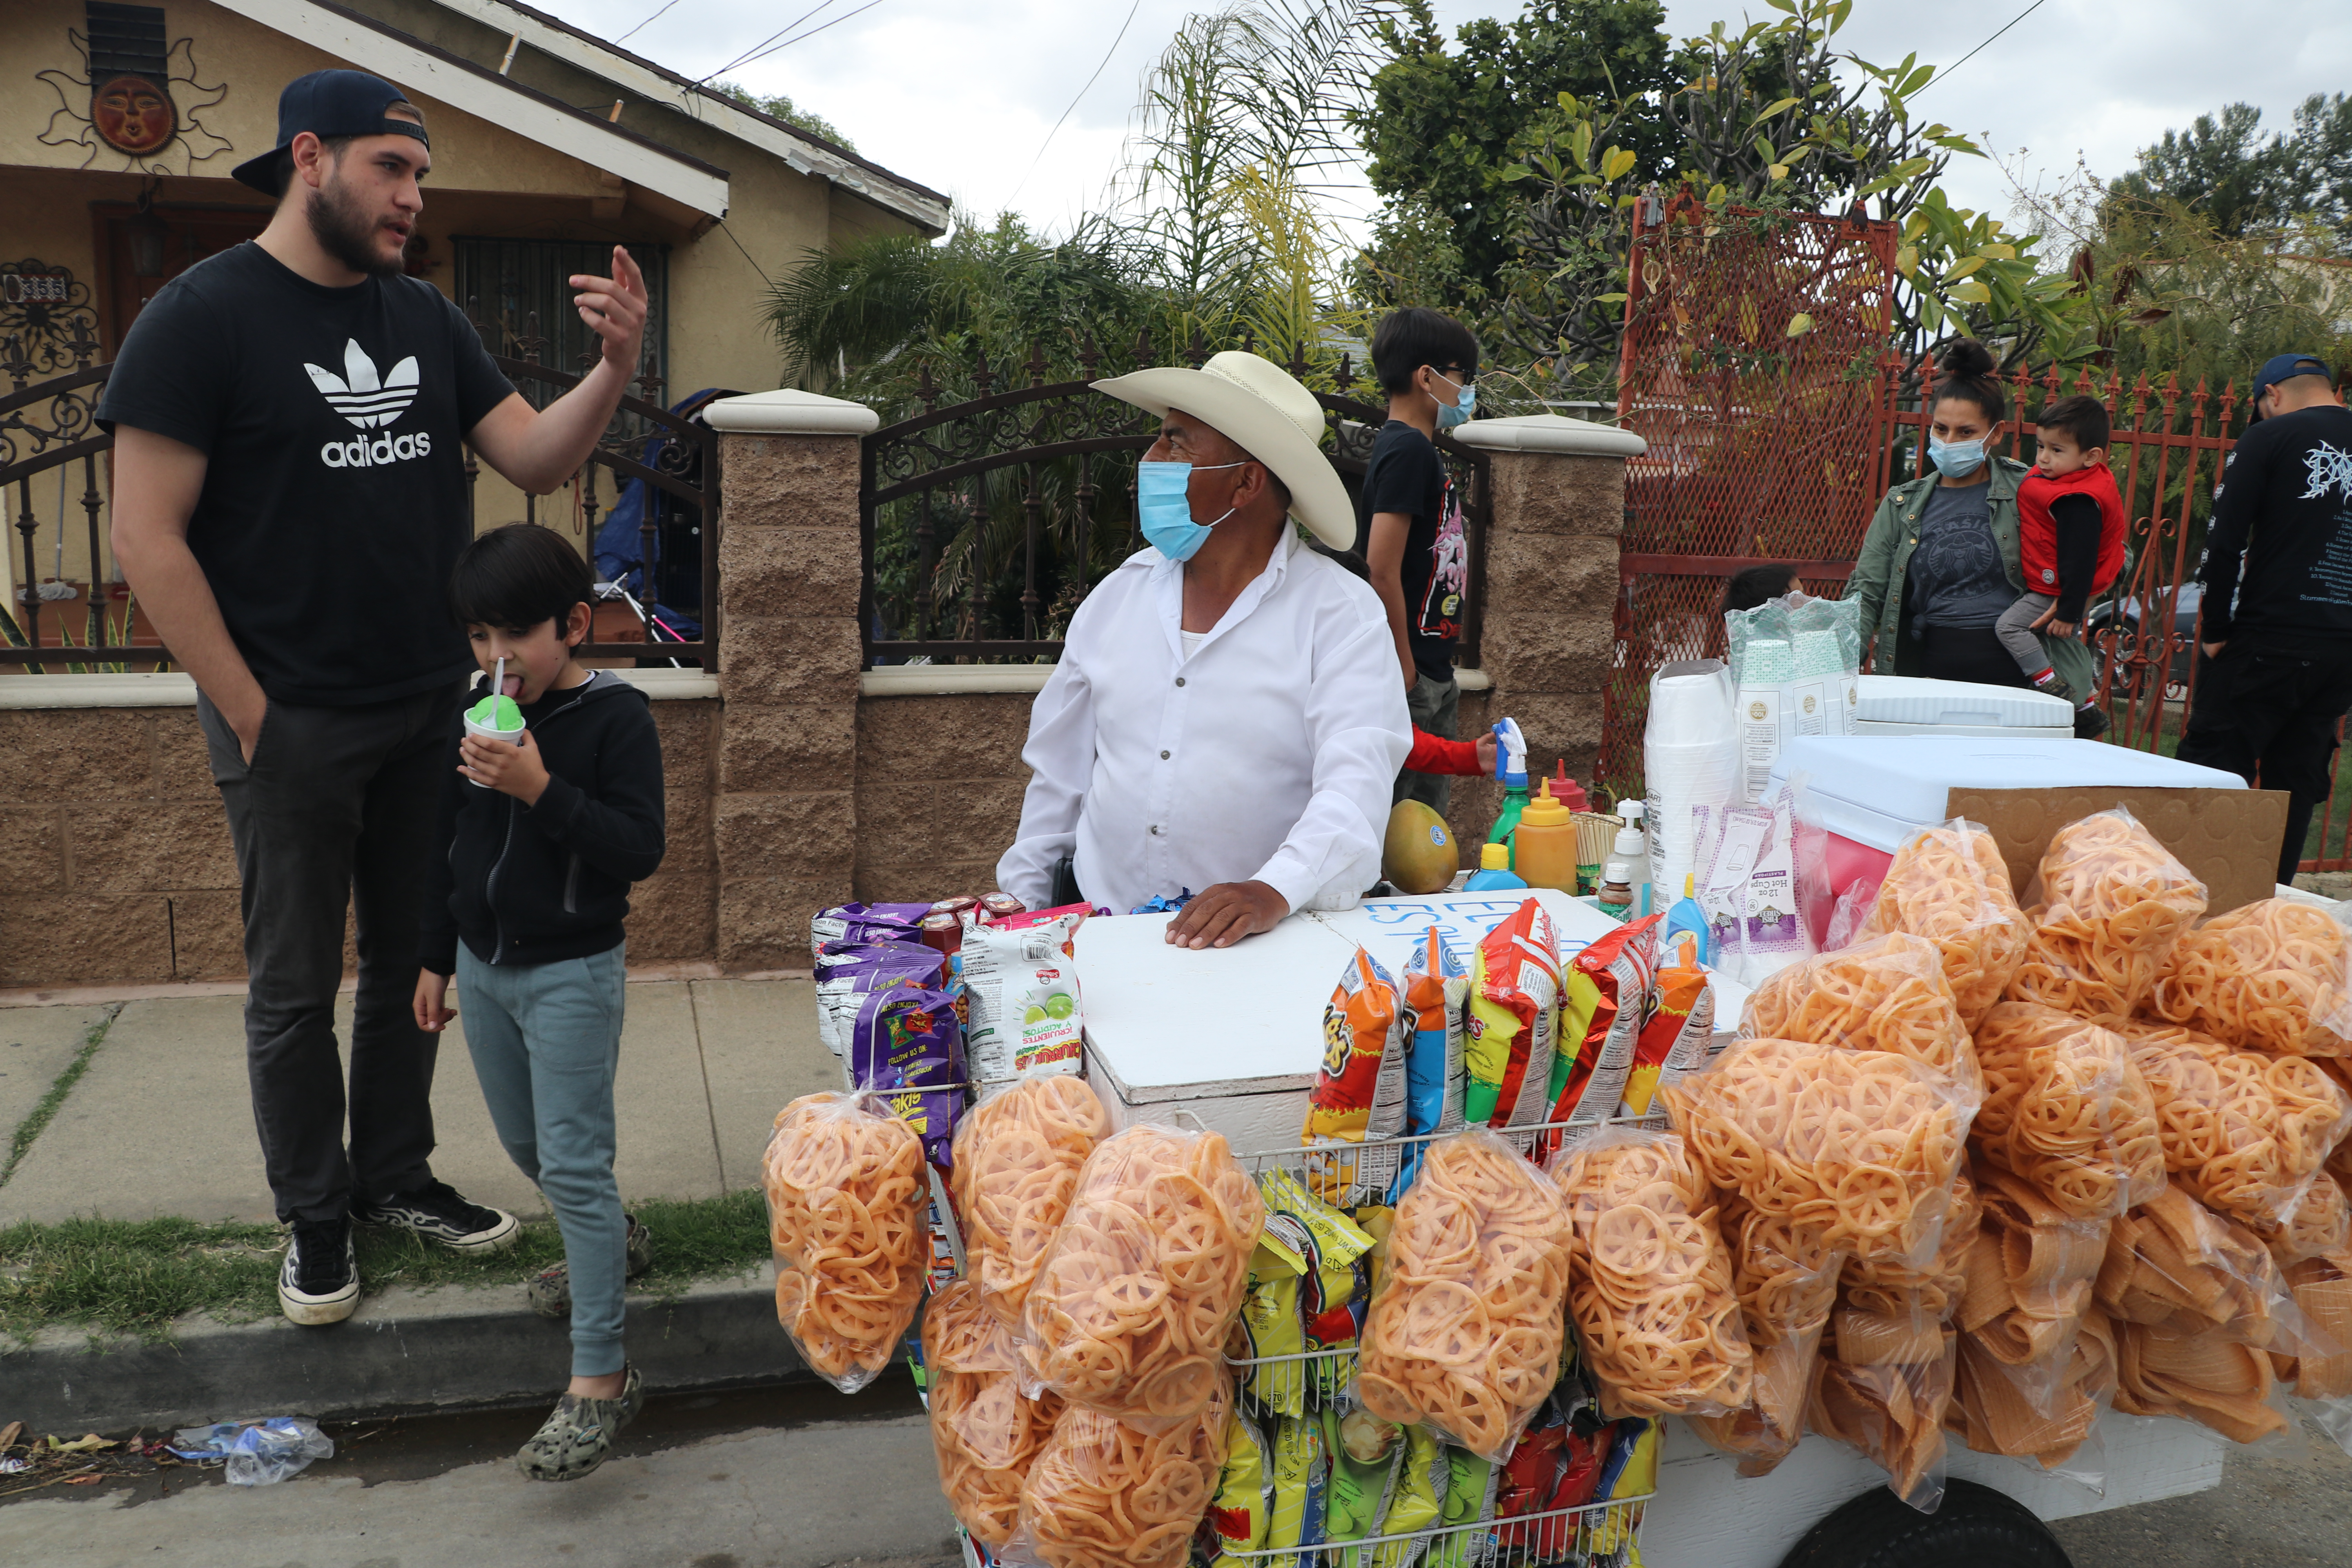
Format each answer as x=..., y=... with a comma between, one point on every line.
x=496, y=714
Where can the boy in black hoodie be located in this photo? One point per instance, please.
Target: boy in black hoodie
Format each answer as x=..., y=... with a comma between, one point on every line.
x=538, y=843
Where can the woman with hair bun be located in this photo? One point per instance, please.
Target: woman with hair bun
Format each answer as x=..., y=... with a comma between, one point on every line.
x=1940, y=563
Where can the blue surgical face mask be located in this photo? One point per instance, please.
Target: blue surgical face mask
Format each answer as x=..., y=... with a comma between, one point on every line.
x=1957, y=458
x=1167, y=510
x=1450, y=415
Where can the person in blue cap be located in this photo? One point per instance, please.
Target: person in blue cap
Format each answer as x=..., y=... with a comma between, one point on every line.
x=2275, y=631
x=289, y=498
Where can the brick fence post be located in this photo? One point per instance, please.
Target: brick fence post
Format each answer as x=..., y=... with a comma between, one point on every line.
x=785, y=821
x=1557, y=494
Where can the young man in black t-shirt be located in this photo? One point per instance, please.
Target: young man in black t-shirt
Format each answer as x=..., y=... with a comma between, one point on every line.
x=1409, y=516
x=2276, y=623
x=289, y=496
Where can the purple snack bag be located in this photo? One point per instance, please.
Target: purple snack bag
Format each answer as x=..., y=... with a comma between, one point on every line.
x=868, y=922
x=906, y=1038
x=846, y=971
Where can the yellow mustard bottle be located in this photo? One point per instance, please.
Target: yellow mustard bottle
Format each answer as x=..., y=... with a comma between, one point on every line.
x=1544, y=852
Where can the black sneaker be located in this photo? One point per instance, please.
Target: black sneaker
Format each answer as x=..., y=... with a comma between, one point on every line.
x=436, y=1212
x=2056, y=687
x=319, y=1281
x=550, y=1290
x=2090, y=723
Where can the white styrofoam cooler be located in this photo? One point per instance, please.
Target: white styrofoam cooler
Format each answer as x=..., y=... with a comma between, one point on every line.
x=1233, y=1036
x=1908, y=705
x=1877, y=789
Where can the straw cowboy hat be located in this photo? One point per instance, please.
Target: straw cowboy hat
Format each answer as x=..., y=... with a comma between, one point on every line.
x=1257, y=405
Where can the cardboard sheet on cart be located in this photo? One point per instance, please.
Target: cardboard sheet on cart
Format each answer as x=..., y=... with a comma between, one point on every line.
x=1234, y=1036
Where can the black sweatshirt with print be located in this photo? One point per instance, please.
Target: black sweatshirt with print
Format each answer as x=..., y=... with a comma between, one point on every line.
x=537, y=883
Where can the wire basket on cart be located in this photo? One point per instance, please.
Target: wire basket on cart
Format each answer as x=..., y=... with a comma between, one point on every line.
x=1599, y=1533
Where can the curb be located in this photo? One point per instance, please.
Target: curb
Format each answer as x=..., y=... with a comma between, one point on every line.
x=404, y=1352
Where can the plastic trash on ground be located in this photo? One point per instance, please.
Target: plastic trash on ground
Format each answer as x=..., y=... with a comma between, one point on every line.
x=257, y=1453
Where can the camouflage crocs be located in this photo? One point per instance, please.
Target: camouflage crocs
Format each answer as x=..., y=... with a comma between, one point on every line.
x=579, y=1436
x=550, y=1290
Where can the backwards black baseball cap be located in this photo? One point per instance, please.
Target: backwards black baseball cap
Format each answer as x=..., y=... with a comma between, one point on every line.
x=2282, y=367
x=329, y=103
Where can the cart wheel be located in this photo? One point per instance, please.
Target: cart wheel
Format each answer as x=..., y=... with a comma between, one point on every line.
x=1976, y=1528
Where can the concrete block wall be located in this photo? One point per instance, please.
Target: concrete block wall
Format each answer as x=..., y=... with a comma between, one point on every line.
x=805, y=782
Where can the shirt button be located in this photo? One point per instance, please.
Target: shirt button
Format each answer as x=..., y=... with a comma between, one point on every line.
x=1163, y=756
x=1155, y=828
x=1180, y=681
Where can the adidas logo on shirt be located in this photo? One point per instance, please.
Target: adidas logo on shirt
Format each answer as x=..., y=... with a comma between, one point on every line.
x=370, y=402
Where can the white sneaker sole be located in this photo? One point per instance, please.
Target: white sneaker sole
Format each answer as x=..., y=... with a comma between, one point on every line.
x=312, y=1312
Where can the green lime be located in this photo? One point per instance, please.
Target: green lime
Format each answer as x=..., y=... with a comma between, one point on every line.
x=1061, y=1004
x=1034, y=1016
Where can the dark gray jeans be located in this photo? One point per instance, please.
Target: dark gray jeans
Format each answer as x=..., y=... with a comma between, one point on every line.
x=1434, y=706
x=335, y=811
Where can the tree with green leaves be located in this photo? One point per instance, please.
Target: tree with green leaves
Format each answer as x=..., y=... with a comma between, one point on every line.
x=1442, y=125
x=776, y=106
x=2242, y=181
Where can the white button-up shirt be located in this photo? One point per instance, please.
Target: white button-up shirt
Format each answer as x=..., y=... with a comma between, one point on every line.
x=1268, y=752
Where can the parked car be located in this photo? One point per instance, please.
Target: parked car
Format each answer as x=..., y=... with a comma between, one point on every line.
x=2123, y=617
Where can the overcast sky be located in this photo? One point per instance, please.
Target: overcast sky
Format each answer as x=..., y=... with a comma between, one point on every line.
x=960, y=96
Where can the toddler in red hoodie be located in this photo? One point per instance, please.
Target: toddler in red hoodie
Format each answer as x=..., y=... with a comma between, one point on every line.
x=2070, y=525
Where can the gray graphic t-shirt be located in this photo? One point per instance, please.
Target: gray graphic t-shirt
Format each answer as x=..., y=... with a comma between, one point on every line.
x=1956, y=575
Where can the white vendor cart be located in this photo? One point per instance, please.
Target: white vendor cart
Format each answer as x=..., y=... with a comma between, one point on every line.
x=1233, y=1038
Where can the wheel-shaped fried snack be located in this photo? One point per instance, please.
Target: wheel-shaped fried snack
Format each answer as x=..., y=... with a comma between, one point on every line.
x=2067, y=1108
x=1016, y=1164
x=845, y=1200
x=2273, y=975
x=1104, y=1493
x=984, y=1432
x=1950, y=885
x=1888, y=993
x=2110, y=903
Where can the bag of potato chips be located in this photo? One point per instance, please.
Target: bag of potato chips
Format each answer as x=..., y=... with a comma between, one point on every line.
x=1360, y=1092
x=1508, y=1026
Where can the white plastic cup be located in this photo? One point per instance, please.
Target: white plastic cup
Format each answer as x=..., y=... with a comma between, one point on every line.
x=484, y=731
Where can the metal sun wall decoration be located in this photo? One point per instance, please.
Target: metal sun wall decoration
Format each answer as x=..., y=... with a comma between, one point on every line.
x=124, y=102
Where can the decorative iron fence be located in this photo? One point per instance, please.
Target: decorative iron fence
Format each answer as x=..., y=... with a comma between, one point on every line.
x=50, y=425
x=983, y=523
x=1751, y=343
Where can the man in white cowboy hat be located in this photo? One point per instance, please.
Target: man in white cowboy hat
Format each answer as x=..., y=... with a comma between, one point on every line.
x=1226, y=716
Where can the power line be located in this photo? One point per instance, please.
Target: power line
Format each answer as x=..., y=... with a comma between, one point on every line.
x=812, y=33
x=1040, y=158
x=771, y=38
x=1972, y=54
x=647, y=22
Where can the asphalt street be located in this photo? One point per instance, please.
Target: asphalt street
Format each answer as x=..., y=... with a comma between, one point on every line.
x=804, y=1478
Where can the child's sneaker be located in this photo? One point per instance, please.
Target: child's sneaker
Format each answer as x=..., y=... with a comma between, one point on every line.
x=578, y=1436
x=436, y=1212
x=2090, y=723
x=2056, y=687
x=550, y=1290
x=319, y=1280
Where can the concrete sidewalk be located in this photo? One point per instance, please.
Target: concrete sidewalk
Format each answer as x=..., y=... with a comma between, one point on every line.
x=160, y=1120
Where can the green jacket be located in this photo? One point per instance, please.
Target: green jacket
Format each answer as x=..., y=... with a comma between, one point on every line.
x=1877, y=580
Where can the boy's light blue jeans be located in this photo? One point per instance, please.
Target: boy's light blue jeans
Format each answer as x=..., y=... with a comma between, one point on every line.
x=546, y=1043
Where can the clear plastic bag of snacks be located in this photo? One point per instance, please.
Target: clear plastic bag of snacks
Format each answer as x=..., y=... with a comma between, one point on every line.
x=1650, y=1282
x=984, y=1433
x=1129, y=1314
x=1950, y=885
x=1017, y=1158
x=2107, y=906
x=2273, y=975
x=1466, y=1324
x=1888, y=993
x=2065, y=1108
x=846, y=1191
x=1106, y=1493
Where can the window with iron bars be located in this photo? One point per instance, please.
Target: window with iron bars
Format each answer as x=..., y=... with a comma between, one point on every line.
x=517, y=290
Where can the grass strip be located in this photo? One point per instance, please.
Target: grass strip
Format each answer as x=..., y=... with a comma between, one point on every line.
x=133, y=1277
x=46, y=1109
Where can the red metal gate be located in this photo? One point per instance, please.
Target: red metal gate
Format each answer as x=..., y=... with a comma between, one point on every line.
x=1750, y=366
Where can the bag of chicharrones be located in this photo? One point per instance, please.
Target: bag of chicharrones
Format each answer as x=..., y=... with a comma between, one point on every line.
x=2273, y=975
x=1787, y=1281
x=2107, y=906
x=2067, y=1108
x=1466, y=1321
x=1106, y=1493
x=1130, y=1313
x=846, y=1219
x=1887, y=994
x=1017, y=1158
x=984, y=1432
x=1950, y=885
x=1650, y=1280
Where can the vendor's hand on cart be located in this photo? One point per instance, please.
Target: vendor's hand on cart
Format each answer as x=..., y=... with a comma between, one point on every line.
x=1221, y=915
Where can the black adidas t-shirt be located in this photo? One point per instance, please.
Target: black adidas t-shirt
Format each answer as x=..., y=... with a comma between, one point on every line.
x=334, y=503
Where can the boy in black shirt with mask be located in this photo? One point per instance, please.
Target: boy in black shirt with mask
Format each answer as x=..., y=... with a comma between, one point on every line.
x=290, y=418
x=2276, y=621
x=1409, y=516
